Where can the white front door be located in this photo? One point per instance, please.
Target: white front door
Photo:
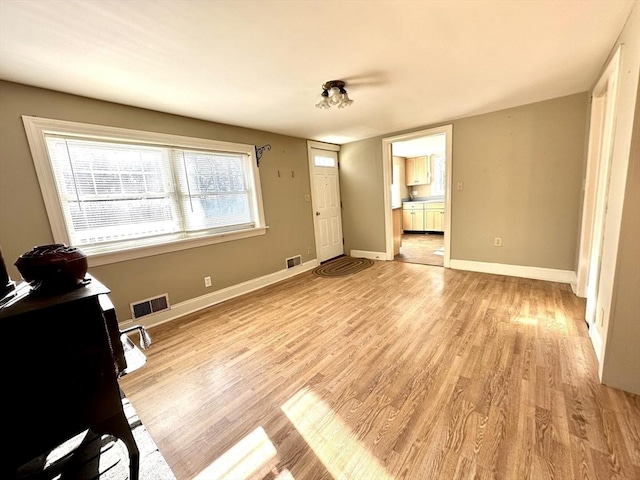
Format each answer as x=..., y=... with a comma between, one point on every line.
x=326, y=203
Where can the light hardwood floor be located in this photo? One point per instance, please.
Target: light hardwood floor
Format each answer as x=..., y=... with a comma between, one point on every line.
x=401, y=371
x=423, y=248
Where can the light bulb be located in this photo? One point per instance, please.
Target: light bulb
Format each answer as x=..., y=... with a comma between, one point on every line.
x=345, y=100
x=323, y=104
x=334, y=96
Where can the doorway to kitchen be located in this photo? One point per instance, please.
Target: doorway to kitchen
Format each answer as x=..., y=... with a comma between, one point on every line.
x=418, y=167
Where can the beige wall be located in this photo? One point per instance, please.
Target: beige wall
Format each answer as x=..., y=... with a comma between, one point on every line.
x=522, y=172
x=361, y=194
x=24, y=223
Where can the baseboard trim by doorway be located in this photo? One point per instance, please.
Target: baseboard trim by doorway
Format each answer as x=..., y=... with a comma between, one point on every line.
x=535, y=273
x=369, y=255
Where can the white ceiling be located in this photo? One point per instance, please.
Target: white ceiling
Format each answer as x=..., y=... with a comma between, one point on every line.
x=260, y=63
x=420, y=146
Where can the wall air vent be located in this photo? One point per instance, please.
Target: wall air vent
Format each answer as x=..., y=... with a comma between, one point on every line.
x=294, y=261
x=149, y=306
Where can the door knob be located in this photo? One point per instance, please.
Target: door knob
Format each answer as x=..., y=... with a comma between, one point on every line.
x=317, y=214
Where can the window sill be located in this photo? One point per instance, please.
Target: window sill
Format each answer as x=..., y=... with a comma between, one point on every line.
x=96, y=259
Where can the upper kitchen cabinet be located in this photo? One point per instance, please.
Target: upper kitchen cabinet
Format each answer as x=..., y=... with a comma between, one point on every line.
x=418, y=171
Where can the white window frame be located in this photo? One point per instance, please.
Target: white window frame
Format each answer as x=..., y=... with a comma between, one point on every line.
x=36, y=128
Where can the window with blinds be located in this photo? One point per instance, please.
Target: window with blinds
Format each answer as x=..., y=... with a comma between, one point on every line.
x=115, y=194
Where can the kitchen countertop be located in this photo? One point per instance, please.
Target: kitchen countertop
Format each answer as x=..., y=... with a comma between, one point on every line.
x=425, y=200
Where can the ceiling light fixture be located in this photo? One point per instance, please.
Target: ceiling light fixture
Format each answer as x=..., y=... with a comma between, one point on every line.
x=334, y=94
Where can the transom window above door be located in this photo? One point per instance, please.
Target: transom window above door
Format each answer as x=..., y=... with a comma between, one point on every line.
x=322, y=161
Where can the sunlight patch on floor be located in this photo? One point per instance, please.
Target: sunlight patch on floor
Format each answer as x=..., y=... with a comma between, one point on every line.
x=342, y=454
x=251, y=458
x=526, y=320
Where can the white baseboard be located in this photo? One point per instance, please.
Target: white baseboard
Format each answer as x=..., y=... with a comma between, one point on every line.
x=194, y=304
x=574, y=288
x=536, y=273
x=370, y=255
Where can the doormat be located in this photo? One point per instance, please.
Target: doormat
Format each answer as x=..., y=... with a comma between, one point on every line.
x=342, y=266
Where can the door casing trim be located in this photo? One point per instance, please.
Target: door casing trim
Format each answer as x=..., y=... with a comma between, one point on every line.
x=315, y=145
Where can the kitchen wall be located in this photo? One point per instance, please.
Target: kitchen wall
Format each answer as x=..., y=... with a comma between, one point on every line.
x=24, y=223
x=522, y=172
x=421, y=190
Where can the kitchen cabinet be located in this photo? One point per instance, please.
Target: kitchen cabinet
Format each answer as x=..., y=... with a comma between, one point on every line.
x=423, y=216
x=417, y=170
x=65, y=380
x=434, y=217
x=413, y=217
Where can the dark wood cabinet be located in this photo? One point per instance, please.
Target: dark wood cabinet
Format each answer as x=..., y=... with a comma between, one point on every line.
x=61, y=358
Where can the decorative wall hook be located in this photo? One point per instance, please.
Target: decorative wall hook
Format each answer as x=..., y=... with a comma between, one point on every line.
x=260, y=151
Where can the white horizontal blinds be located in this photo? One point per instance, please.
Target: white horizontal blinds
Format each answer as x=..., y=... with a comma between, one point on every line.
x=118, y=191
x=112, y=191
x=213, y=190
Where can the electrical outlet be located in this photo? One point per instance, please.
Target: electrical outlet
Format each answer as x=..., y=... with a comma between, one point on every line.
x=459, y=186
x=497, y=242
x=207, y=281
x=309, y=250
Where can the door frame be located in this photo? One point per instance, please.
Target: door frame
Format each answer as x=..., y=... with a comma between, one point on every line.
x=596, y=219
x=387, y=169
x=599, y=119
x=312, y=144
